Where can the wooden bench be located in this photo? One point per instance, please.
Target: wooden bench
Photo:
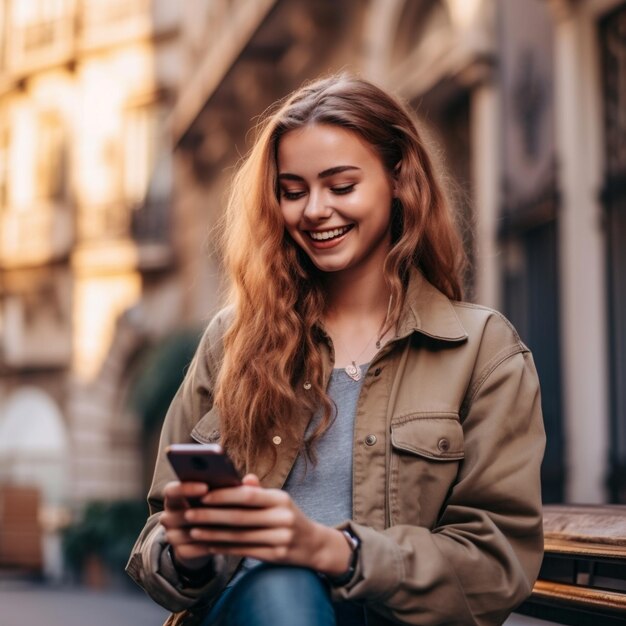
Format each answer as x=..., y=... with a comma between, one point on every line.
x=583, y=577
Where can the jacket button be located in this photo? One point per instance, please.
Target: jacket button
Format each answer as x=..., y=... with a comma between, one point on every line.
x=443, y=444
x=377, y=371
x=277, y=440
x=370, y=440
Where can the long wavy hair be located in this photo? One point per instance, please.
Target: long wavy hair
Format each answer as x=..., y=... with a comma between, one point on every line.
x=273, y=342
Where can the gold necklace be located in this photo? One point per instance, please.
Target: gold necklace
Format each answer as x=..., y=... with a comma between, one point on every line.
x=353, y=370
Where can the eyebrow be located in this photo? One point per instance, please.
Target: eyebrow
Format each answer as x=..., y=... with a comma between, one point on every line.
x=331, y=171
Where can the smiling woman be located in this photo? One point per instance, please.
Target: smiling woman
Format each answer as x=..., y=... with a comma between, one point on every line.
x=335, y=198
x=390, y=434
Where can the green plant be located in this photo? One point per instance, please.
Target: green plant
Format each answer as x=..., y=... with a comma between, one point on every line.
x=107, y=530
x=158, y=376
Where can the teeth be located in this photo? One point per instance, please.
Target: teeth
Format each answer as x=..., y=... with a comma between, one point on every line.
x=328, y=234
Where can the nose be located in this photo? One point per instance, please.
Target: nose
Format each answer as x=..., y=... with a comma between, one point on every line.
x=316, y=208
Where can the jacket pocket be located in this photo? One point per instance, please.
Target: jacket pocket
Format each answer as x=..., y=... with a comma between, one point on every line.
x=427, y=449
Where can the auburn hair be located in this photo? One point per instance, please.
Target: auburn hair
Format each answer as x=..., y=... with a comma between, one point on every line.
x=273, y=342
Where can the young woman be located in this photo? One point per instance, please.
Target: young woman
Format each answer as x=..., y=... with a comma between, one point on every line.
x=391, y=434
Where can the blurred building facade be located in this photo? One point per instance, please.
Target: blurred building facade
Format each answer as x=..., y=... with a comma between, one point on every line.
x=119, y=126
x=526, y=103
x=86, y=240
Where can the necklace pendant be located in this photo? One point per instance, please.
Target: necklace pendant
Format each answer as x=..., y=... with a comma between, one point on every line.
x=353, y=371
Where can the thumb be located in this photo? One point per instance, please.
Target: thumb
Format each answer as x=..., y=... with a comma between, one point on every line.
x=252, y=480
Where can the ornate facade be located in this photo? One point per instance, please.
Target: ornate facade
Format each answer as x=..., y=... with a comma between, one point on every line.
x=85, y=236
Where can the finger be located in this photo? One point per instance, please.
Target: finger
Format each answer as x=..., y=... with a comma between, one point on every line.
x=245, y=517
x=190, y=551
x=252, y=480
x=176, y=493
x=176, y=488
x=269, y=554
x=247, y=496
x=174, y=518
x=178, y=537
x=258, y=537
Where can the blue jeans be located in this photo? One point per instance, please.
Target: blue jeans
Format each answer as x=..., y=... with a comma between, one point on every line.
x=272, y=595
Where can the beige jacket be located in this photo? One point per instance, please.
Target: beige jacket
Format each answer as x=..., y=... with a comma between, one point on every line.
x=448, y=441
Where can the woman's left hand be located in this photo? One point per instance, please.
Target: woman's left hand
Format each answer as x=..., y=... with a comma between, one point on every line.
x=265, y=524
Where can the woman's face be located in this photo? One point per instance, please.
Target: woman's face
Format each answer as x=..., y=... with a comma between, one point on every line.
x=335, y=197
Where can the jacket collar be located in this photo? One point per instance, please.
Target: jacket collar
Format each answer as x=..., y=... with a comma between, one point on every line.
x=429, y=312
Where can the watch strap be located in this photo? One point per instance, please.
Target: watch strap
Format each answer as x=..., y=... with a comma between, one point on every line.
x=355, y=543
x=189, y=577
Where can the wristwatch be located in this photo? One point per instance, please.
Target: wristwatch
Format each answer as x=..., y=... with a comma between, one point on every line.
x=355, y=544
x=188, y=577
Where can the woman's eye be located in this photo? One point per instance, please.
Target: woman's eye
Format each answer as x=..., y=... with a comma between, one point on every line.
x=343, y=189
x=292, y=195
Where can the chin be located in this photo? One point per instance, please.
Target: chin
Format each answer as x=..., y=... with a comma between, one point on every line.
x=325, y=267
x=330, y=268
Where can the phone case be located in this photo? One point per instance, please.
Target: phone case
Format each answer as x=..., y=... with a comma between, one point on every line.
x=205, y=463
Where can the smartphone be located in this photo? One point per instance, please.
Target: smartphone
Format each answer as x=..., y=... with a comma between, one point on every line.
x=203, y=463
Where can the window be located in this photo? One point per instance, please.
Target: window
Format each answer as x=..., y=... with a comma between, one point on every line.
x=613, y=45
x=147, y=171
x=4, y=166
x=40, y=28
x=531, y=286
x=529, y=220
x=3, y=34
x=140, y=145
x=51, y=158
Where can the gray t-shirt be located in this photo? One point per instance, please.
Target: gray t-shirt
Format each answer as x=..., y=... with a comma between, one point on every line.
x=323, y=491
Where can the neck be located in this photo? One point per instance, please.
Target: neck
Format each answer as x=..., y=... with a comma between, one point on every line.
x=356, y=312
x=356, y=294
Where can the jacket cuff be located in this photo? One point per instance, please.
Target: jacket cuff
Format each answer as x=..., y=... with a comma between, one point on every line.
x=154, y=570
x=379, y=568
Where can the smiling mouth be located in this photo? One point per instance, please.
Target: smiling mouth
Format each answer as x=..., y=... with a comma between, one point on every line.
x=329, y=235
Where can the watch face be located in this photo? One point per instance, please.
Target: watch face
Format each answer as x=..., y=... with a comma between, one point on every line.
x=353, y=540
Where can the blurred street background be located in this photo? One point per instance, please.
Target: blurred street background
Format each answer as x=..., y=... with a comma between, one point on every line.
x=26, y=604
x=120, y=124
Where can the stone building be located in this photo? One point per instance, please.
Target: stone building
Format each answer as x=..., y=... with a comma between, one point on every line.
x=120, y=122
x=87, y=243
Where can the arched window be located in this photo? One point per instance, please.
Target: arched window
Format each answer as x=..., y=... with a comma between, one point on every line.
x=34, y=447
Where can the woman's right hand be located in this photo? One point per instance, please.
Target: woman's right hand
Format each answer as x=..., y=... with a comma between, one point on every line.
x=190, y=554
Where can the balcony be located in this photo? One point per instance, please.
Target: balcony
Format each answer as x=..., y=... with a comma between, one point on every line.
x=35, y=235
x=150, y=230
x=102, y=222
x=108, y=22
x=139, y=235
x=38, y=44
x=231, y=25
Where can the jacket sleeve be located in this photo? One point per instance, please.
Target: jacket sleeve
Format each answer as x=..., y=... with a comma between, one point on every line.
x=483, y=556
x=150, y=564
